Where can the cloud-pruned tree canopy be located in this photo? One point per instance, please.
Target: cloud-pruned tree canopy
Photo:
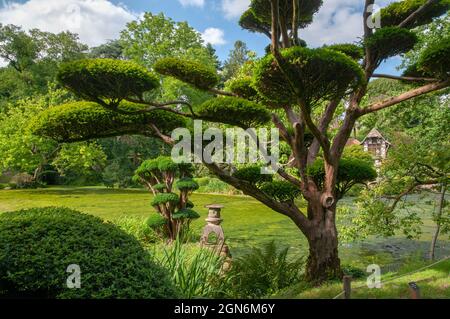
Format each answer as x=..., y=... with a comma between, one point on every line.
x=192, y=72
x=397, y=12
x=320, y=74
x=258, y=17
x=107, y=80
x=79, y=121
x=234, y=111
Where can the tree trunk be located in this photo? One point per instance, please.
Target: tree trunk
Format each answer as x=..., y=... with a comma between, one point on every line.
x=323, y=261
x=438, y=223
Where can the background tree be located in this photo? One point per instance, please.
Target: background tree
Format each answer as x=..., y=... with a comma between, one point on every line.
x=292, y=79
x=33, y=58
x=159, y=176
x=236, y=59
x=43, y=158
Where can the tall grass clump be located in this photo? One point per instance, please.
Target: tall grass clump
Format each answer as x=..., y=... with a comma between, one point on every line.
x=196, y=271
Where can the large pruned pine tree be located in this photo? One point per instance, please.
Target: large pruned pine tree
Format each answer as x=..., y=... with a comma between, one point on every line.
x=299, y=89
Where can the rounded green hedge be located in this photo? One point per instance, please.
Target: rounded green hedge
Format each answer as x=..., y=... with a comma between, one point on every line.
x=234, y=111
x=94, y=79
x=318, y=74
x=79, y=121
x=187, y=71
x=37, y=246
x=390, y=41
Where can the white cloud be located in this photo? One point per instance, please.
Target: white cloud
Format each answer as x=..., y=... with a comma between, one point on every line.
x=94, y=20
x=234, y=8
x=194, y=3
x=337, y=21
x=214, y=36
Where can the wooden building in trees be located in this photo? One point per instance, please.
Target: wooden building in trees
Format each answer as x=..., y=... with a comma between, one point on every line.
x=377, y=145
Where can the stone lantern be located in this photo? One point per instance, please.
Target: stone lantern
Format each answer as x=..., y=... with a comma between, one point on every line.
x=213, y=226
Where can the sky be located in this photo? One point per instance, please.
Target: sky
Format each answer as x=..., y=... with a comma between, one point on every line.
x=96, y=21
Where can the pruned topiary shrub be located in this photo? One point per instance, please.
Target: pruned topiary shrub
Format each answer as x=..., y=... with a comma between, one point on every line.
x=234, y=111
x=190, y=72
x=174, y=213
x=108, y=79
x=390, y=41
x=354, y=51
x=397, y=12
x=37, y=246
x=78, y=121
x=317, y=74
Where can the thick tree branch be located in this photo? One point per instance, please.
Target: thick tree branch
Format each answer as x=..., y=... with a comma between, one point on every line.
x=220, y=92
x=404, y=97
x=403, y=78
x=295, y=18
x=325, y=121
x=275, y=9
x=158, y=106
x=416, y=13
x=286, y=209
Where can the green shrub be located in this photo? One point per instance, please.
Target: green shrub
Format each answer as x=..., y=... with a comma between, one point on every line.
x=215, y=185
x=79, y=121
x=390, y=41
x=397, y=12
x=263, y=272
x=282, y=191
x=38, y=245
x=318, y=74
x=252, y=174
x=156, y=221
x=187, y=71
x=139, y=228
x=107, y=79
x=354, y=168
x=234, y=111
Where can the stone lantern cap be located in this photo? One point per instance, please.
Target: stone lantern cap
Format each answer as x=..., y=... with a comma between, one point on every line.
x=214, y=214
x=214, y=206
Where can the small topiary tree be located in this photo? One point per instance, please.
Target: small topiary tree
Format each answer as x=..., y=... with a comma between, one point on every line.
x=37, y=246
x=160, y=177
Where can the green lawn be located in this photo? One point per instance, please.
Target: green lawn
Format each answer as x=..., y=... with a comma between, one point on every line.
x=434, y=282
x=246, y=223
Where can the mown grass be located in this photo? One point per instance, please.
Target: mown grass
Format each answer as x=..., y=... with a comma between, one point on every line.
x=247, y=223
x=434, y=283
